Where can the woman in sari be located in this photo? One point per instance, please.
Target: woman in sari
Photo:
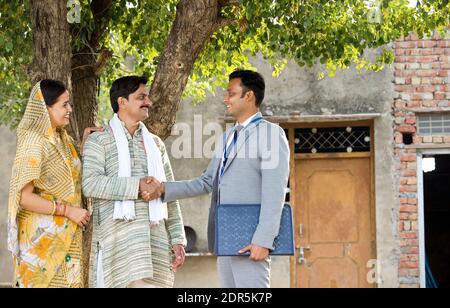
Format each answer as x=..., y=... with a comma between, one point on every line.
x=45, y=214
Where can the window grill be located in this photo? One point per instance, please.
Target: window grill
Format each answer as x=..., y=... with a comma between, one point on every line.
x=332, y=140
x=434, y=124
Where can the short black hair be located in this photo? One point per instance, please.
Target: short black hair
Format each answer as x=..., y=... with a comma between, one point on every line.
x=123, y=87
x=51, y=90
x=251, y=81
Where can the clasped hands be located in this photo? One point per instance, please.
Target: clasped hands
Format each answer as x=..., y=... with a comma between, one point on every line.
x=150, y=189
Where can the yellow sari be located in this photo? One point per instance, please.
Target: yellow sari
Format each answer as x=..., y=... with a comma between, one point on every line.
x=47, y=250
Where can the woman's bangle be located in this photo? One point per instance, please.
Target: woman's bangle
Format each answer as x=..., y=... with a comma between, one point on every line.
x=61, y=209
x=54, y=208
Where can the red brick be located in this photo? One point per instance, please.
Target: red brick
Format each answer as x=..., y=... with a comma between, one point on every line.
x=409, y=257
x=426, y=73
x=410, y=250
x=421, y=52
x=408, y=235
x=408, y=208
x=417, y=139
x=404, y=88
x=409, y=286
x=427, y=44
x=426, y=88
x=412, y=201
x=406, y=44
x=443, y=73
x=444, y=43
x=408, y=173
x=410, y=120
x=437, y=80
x=413, y=104
x=403, y=200
x=409, y=242
x=413, y=217
x=400, y=104
x=399, y=52
x=408, y=188
x=436, y=65
x=406, y=129
x=406, y=264
x=401, y=59
x=405, y=272
x=444, y=88
x=424, y=59
x=429, y=103
x=399, y=66
x=412, y=181
x=408, y=157
x=409, y=73
x=404, y=216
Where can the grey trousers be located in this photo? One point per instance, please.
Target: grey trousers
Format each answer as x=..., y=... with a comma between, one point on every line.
x=241, y=272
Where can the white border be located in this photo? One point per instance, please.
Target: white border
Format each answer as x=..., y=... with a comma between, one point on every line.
x=421, y=208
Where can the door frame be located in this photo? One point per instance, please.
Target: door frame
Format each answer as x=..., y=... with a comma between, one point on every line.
x=421, y=208
x=291, y=137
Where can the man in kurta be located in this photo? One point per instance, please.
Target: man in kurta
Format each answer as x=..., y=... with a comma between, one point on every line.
x=136, y=242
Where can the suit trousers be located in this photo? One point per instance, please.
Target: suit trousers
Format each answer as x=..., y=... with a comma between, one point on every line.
x=241, y=272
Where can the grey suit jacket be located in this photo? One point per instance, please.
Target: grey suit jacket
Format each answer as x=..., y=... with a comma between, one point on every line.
x=256, y=172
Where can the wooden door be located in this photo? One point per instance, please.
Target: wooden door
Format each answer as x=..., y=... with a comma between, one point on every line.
x=334, y=221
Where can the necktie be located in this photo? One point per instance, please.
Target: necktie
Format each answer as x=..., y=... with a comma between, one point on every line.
x=235, y=134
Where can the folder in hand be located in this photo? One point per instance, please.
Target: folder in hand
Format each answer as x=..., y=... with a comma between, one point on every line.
x=236, y=225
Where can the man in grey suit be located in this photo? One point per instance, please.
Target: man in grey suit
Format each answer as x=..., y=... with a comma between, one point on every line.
x=250, y=166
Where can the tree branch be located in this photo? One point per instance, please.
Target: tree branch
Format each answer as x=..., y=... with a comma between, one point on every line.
x=222, y=23
x=100, y=10
x=224, y=3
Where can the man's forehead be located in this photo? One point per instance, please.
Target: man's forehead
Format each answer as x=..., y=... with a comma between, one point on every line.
x=143, y=89
x=234, y=84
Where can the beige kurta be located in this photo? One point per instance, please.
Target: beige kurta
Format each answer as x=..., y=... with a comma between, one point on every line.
x=131, y=250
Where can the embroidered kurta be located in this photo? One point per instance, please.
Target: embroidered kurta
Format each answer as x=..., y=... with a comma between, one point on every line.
x=131, y=250
x=46, y=249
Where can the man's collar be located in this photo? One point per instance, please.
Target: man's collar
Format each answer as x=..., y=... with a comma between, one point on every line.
x=247, y=122
x=138, y=130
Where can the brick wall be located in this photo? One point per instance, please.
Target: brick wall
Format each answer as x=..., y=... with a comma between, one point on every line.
x=422, y=73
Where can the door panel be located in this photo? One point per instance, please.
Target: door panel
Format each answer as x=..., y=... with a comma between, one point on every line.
x=334, y=208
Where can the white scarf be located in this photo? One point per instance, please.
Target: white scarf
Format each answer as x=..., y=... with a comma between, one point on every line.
x=125, y=210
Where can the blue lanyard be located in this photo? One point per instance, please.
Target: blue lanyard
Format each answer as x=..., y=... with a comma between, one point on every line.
x=233, y=144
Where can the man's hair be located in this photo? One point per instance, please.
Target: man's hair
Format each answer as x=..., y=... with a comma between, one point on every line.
x=251, y=81
x=123, y=87
x=51, y=90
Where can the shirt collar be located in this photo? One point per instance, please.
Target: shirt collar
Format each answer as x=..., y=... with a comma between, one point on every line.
x=247, y=122
x=136, y=133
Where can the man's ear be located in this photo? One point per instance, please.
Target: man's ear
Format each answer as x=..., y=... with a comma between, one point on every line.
x=249, y=96
x=122, y=102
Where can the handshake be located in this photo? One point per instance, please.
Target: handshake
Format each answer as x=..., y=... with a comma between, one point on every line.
x=150, y=189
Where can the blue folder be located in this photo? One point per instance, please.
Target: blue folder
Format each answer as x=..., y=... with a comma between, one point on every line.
x=236, y=225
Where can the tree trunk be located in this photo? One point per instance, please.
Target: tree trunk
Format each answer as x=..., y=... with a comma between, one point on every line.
x=84, y=91
x=51, y=42
x=195, y=22
x=87, y=66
